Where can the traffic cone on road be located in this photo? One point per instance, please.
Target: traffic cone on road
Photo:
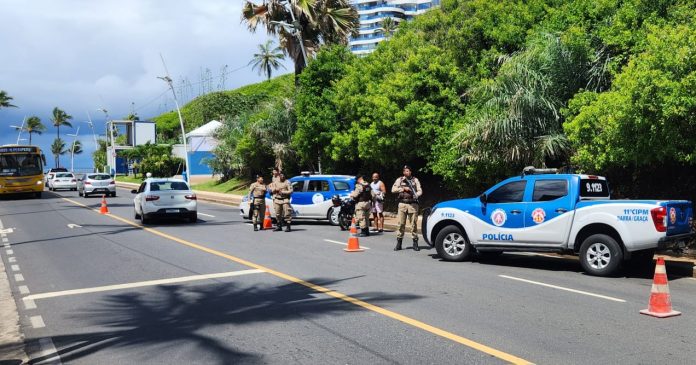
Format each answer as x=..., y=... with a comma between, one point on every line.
x=353, y=242
x=104, y=209
x=660, y=305
x=267, y=223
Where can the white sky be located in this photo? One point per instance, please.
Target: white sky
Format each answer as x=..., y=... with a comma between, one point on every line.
x=83, y=55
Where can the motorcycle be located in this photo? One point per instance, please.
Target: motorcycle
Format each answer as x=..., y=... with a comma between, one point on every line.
x=346, y=211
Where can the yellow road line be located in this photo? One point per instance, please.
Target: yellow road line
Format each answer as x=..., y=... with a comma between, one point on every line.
x=332, y=293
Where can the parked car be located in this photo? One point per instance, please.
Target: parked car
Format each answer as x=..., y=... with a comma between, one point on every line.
x=88, y=184
x=541, y=211
x=63, y=180
x=311, y=197
x=162, y=198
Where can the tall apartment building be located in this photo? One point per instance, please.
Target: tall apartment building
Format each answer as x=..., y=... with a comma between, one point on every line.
x=373, y=12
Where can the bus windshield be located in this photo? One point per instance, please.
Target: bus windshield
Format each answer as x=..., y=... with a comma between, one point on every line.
x=20, y=165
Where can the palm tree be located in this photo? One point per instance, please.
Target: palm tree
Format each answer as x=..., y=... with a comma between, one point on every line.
x=57, y=149
x=60, y=118
x=388, y=26
x=5, y=100
x=268, y=59
x=34, y=126
x=319, y=21
x=76, y=148
x=276, y=130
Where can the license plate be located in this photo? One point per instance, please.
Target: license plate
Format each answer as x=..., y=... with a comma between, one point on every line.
x=172, y=210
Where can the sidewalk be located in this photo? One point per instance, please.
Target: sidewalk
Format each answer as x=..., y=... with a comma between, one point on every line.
x=685, y=266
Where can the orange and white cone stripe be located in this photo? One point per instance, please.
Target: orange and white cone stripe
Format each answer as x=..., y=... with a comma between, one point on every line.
x=353, y=242
x=660, y=304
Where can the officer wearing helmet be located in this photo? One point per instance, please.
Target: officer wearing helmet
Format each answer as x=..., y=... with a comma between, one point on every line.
x=409, y=189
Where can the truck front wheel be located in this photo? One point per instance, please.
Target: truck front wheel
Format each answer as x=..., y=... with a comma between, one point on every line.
x=452, y=245
x=600, y=255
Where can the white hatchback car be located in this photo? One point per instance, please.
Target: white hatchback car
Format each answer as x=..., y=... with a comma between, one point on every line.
x=63, y=180
x=161, y=198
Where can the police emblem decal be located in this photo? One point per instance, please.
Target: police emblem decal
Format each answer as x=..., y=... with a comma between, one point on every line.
x=498, y=217
x=538, y=215
x=317, y=198
x=672, y=215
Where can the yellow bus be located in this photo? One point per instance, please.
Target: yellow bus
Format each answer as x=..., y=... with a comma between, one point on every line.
x=21, y=170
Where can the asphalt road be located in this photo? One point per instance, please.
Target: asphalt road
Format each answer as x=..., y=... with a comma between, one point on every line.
x=110, y=291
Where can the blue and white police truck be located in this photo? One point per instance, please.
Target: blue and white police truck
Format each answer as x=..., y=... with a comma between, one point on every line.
x=542, y=211
x=311, y=197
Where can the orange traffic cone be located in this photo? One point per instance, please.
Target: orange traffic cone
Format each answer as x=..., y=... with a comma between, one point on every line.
x=353, y=243
x=660, y=305
x=267, y=223
x=104, y=209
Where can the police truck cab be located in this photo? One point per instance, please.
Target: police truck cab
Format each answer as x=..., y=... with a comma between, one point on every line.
x=542, y=211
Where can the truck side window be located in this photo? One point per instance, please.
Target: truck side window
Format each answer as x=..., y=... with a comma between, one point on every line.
x=547, y=190
x=512, y=192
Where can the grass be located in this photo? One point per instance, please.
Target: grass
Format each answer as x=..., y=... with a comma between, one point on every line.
x=129, y=179
x=232, y=186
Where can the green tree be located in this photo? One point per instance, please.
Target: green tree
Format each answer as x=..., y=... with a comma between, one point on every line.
x=34, y=126
x=320, y=22
x=388, y=26
x=275, y=131
x=5, y=100
x=60, y=118
x=268, y=59
x=58, y=149
x=99, y=156
x=76, y=148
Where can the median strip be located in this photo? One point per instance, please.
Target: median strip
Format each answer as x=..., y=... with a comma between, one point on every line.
x=564, y=289
x=332, y=293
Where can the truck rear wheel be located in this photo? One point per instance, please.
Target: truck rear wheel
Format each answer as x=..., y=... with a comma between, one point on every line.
x=452, y=245
x=600, y=255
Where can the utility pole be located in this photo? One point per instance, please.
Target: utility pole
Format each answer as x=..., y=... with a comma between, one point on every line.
x=20, y=129
x=110, y=128
x=168, y=80
x=72, y=149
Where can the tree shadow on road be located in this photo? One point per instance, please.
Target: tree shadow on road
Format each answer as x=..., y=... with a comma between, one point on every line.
x=166, y=317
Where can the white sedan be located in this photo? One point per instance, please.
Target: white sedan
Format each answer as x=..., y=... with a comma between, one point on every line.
x=162, y=198
x=63, y=180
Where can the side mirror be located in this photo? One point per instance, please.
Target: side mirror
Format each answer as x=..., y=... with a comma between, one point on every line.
x=483, y=198
x=134, y=191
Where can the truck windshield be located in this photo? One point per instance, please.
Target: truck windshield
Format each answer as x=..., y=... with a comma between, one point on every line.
x=20, y=165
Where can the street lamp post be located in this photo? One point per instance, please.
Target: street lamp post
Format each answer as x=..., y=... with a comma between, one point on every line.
x=72, y=149
x=169, y=82
x=19, y=129
x=109, y=126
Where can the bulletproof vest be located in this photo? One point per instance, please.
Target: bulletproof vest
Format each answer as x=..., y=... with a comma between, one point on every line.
x=407, y=196
x=366, y=194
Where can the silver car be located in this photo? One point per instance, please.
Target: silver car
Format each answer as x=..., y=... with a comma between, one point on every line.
x=101, y=184
x=160, y=198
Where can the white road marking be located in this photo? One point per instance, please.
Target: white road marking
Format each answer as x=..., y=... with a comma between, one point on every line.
x=206, y=215
x=19, y=277
x=565, y=289
x=37, y=322
x=11, y=259
x=73, y=225
x=23, y=289
x=9, y=252
x=142, y=284
x=6, y=231
x=14, y=267
x=29, y=304
x=48, y=353
x=5, y=240
x=344, y=243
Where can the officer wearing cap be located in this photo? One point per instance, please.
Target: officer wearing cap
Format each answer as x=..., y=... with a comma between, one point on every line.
x=363, y=194
x=409, y=189
x=257, y=193
x=281, y=190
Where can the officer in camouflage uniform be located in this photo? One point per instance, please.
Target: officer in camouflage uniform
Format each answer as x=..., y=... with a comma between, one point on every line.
x=281, y=190
x=276, y=175
x=363, y=194
x=409, y=190
x=257, y=193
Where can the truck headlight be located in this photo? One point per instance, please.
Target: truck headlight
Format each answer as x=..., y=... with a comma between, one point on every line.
x=39, y=182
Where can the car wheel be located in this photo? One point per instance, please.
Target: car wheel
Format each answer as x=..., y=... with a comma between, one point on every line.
x=135, y=214
x=332, y=216
x=113, y=195
x=84, y=194
x=452, y=244
x=193, y=218
x=80, y=193
x=600, y=255
x=143, y=218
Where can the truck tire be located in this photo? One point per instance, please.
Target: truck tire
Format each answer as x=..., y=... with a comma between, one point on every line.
x=452, y=245
x=600, y=255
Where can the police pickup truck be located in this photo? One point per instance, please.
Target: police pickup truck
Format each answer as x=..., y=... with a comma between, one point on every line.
x=542, y=211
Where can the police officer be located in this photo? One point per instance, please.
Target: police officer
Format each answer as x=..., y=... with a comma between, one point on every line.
x=363, y=194
x=276, y=175
x=409, y=189
x=281, y=190
x=257, y=192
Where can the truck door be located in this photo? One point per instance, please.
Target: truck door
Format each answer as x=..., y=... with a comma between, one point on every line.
x=503, y=213
x=549, y=212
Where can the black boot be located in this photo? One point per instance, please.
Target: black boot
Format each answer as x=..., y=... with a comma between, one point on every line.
x=398, y=244
x=415, y=245
x=287, y=227
x=255, y=227
x=279, y=226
